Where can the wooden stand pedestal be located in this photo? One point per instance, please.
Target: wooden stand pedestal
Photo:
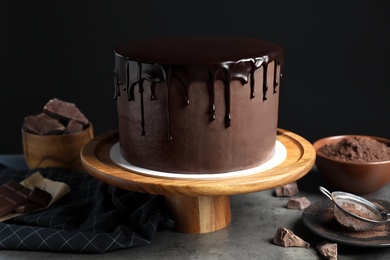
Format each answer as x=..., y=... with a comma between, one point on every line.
x=198, y=206
x=201, y=214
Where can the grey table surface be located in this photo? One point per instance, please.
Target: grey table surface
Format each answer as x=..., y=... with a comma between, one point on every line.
x=255, y=220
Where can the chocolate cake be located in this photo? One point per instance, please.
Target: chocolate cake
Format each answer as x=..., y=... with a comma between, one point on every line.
x=197, y=104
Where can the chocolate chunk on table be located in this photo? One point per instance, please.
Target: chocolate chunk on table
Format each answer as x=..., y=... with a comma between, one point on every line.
x=42, y=124
x=286, y=238
x=328, y=250
x=287, y=190
x=298, y=203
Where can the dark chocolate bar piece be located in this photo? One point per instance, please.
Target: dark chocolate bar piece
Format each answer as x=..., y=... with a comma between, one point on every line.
x=39, y=196
x=16, y=199
x=64, y=111
x=5, y=207
x=42, y=124
x=27, y=208
x=13, y=185
x=24, y=192
x=4, y=191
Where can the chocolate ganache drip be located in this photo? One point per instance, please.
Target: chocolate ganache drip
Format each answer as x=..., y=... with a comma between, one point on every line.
x=189, y=59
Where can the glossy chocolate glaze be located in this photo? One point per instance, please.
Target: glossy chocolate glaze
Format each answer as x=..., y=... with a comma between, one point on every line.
x=166, y=63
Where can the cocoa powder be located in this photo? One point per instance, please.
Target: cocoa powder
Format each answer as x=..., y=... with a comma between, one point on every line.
x=328, y=223
x=357, y=149
x=359, y=210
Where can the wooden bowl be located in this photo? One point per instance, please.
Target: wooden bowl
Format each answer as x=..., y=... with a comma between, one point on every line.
x=62, y=151
x=355, y=177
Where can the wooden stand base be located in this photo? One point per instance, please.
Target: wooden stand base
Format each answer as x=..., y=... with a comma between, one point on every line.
x=199, y=215
x=198, y=206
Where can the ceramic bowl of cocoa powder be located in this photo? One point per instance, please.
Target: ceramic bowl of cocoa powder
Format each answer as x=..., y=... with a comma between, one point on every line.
x=354, y=163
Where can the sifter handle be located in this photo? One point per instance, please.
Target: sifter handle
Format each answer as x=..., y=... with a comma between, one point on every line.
x=326, y=192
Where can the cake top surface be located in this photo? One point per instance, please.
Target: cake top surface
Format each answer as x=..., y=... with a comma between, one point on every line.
x=197, y=50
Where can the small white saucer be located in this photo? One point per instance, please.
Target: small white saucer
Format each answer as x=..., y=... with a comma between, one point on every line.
x=278, y=158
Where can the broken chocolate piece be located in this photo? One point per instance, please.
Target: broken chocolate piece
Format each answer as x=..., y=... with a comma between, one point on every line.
x=16, y=199
x=64, y=111
x=287, y=238
x=328, y=250
x=298, y=203
x=4, y=191
x=42, y=124
x=24, y=192
x=5, y=207
x=20, y=199
x=287, y=190
x=13, y=185
x=74, y=127
x=27, y=208
x=39, y=196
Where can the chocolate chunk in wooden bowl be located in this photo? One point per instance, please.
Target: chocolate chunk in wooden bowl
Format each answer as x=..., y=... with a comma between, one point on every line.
x=73, y=127
x=65, y=111
x=42, y=124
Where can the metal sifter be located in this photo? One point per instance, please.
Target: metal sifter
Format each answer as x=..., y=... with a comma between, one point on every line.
x=355, y=213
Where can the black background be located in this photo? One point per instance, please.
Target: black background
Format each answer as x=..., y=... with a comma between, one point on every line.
x=336, y=69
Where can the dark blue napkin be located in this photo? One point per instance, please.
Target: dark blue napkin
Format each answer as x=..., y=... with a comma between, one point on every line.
x=93, y=217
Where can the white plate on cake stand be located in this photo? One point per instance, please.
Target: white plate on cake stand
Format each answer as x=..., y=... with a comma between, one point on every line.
x=279, y=156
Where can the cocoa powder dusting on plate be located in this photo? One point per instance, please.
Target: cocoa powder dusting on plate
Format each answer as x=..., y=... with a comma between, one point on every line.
x=357, y=149
x=320, y=219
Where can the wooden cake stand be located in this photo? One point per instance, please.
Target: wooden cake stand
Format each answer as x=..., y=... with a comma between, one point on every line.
x=198, y=206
